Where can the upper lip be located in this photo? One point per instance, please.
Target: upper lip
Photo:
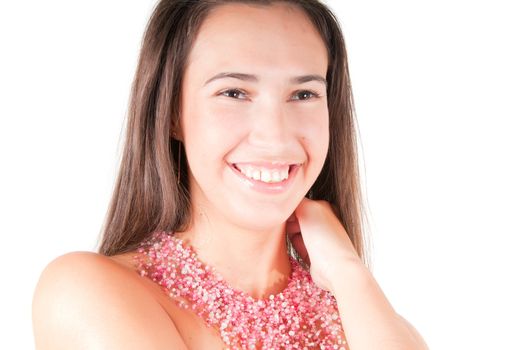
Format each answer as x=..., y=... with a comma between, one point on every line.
x=269, y=164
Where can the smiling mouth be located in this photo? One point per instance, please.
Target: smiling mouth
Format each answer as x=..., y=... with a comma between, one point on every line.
x=266, y=175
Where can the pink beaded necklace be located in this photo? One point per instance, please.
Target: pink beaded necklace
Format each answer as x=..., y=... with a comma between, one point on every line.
x=302, y=316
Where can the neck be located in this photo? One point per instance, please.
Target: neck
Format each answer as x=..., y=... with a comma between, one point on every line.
x=255, y=262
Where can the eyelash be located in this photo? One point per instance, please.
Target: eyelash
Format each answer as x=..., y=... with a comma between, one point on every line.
x=313, y=94
x=225, y=92
x=238, y=91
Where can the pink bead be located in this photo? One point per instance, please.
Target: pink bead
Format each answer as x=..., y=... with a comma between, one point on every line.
x=302, y=316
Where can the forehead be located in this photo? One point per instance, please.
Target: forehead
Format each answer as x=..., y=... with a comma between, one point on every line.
x=249, y=37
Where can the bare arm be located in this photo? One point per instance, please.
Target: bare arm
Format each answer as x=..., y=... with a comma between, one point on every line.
x=368, y=319
x=85, y=301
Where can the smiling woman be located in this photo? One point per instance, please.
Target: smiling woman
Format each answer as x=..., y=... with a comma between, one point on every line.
x=236, y=216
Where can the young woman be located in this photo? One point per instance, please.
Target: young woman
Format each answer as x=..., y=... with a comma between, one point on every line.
x=236, y=220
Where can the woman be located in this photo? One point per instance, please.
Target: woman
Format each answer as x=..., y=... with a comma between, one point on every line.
x=239, y=110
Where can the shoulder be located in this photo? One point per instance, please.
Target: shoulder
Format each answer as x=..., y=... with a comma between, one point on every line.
x=87, y=300
x=415, y=334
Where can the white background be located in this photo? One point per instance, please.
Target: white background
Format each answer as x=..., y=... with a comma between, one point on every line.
x=440, y=90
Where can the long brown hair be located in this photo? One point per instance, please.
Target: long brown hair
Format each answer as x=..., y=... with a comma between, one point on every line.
x=147, y=195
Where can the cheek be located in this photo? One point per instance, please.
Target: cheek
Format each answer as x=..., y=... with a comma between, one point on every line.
x=211, y=132
x=226, y=120
x=312, y=125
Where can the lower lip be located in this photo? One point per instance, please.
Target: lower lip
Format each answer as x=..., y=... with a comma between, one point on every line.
x=269, y=188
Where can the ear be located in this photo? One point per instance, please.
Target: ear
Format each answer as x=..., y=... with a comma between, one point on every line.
x=175, y=129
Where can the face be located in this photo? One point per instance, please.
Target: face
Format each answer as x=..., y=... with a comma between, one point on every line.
x=254, y=111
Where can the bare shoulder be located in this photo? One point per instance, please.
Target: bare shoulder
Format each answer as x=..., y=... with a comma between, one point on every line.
x=416, y=335
x=90, y=301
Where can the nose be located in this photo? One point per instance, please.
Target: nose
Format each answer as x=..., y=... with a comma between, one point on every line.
x=269, y=124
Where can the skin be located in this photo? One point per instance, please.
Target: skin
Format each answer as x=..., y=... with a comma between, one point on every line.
x=85, y=300
x=273, y=119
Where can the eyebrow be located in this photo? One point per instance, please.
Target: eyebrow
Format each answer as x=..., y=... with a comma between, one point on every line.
x=253, y=78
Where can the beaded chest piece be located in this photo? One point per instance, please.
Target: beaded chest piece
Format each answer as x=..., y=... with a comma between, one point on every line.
x=301, y=316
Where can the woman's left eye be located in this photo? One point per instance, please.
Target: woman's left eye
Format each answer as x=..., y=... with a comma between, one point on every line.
x=305, y=95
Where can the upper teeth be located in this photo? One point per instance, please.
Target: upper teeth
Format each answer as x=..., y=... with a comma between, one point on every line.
x=263, y=174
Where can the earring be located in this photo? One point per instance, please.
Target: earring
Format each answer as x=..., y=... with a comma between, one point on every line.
x=178, y=162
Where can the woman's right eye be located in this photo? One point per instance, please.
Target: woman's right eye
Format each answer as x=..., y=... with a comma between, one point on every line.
x=233, y=93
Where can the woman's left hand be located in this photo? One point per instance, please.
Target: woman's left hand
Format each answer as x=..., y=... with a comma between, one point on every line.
x=368, y=319
x=321, y=241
